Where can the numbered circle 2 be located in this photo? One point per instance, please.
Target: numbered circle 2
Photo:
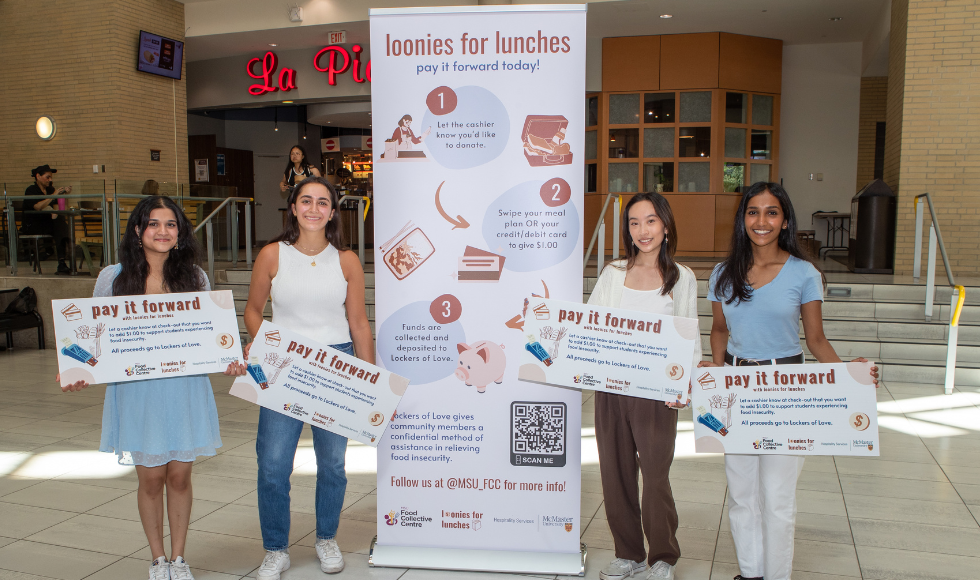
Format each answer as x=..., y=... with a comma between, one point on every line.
x=446, y=309
x=860, y=421
x=225, y=340
x=441, y=101
x=556, y=192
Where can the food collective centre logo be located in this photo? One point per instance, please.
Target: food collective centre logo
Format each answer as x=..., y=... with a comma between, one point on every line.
x=391, y=518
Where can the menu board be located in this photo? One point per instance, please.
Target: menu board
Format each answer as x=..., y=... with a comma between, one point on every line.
x=159, y=55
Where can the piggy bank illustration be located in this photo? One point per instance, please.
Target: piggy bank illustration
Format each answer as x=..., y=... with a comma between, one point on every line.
x=480, y=364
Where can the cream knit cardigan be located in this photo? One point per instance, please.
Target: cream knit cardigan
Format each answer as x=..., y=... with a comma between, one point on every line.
x=608, y=292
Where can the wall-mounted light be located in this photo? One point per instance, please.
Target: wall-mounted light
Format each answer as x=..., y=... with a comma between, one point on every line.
x=45, y=128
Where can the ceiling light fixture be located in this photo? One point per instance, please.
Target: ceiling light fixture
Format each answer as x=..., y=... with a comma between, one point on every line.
x=835, y=18
x=666, y=16
x=273, y=44
x=287, y=102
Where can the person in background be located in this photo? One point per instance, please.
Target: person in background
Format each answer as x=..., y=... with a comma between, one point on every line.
x=159, y=425
x=150, y=187
x=757, y=296
x=39, y=199
x=297, y=169
x=317, y=290
x=637, y=435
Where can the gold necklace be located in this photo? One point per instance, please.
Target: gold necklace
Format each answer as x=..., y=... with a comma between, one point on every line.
x=317, y=252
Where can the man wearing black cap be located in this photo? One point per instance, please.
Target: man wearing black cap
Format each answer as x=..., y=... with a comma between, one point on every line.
x=37, y=224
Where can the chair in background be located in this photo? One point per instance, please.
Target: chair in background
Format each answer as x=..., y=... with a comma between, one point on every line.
x=92, y=238
x=32, y=247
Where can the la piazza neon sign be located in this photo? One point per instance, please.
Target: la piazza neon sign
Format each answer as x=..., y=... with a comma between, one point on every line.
x=333, y=60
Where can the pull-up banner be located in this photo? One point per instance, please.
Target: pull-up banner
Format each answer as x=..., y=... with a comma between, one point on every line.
x=479, y=141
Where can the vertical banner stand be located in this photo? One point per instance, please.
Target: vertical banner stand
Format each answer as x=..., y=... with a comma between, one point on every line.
x=478, y=120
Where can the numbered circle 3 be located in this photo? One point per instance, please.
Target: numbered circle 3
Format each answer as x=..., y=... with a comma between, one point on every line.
x=446, y=309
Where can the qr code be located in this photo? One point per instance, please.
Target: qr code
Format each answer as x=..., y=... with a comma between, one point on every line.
x=538, y=434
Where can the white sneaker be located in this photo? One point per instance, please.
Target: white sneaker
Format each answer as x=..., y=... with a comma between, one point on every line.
x=661, y=571
x=273, y=564
x=179, y=570
x=621, y=568
x=160, y=569
x=331, y=560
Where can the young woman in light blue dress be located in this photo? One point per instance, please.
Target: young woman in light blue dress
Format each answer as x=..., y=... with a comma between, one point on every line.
x=159, y=425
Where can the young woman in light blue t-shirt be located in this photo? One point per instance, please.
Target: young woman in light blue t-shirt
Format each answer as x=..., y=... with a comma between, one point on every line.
x=758, y=295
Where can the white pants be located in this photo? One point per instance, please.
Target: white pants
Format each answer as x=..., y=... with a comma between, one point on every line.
x=762, y=512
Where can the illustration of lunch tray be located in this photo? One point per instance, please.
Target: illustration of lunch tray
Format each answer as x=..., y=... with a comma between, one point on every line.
x=542, y=137
x=406, y=251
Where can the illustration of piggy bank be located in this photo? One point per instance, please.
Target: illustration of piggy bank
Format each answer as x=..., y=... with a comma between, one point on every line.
x=480, y=364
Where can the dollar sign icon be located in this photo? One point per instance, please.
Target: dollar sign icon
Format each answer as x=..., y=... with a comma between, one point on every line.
x=673, y=371
x=860, y=421
x=225, y=340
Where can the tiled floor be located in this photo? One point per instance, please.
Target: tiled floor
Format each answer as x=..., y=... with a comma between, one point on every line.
x=69, y=512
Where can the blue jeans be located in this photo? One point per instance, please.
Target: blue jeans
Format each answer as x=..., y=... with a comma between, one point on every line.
x=275, y=447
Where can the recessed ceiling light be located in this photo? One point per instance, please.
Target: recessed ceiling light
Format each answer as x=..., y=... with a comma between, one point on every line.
x=835, y=18
x=666, y=16
x=273, y=44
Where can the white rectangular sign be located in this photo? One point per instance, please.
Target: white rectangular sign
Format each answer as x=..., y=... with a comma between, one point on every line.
x=608, y=349
x=478, y=179
x=293, y=375
x=814, y=409
x=129, y=338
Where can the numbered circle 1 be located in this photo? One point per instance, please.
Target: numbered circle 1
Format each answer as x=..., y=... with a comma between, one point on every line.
x=446, y=309
x=225, y=340
x=860, y=421
x=441, y=101
x=556, y=192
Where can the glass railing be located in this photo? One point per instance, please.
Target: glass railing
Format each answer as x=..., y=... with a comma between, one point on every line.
x=97, y=210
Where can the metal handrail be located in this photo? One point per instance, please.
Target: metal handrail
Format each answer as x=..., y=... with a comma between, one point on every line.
x=206, y=223
x=363, y=205
x=958, y=297
x=600, y=233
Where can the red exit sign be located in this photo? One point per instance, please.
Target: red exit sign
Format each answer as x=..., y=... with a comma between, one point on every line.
x=337, y=37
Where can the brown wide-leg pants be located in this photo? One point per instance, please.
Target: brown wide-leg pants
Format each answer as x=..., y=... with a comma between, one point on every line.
x=631, y=434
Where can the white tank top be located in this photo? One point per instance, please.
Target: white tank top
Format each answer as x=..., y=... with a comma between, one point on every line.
x=647, y=301
x=310, y=299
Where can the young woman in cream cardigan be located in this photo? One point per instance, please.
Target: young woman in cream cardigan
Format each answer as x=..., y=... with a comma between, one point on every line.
x=634, y=433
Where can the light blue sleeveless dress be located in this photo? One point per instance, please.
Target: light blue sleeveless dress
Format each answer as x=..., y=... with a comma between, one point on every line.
x=156, y=421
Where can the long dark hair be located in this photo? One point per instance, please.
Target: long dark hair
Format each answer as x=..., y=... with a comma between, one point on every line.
x=180, y=271
x=665, y=259
x=304, y=164
x=333, y=232
x=733, y=279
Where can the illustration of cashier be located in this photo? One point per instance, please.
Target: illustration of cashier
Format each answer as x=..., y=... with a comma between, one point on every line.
x=404, y=137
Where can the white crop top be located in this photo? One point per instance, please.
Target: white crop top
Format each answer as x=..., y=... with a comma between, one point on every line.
x=310, y=299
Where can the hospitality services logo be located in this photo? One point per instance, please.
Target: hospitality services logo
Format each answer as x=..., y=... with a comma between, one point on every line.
x=391, y=518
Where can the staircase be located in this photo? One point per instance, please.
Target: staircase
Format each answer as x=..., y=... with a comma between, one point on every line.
x=883, y=322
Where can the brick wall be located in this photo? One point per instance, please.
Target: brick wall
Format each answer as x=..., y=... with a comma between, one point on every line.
x=874, y=93
x=940, y=124
x=75, y=61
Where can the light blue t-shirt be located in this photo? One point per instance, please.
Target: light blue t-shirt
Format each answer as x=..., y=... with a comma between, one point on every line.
x=767, y=326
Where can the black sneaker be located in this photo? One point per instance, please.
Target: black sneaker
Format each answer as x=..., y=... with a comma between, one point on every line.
x=63, y=267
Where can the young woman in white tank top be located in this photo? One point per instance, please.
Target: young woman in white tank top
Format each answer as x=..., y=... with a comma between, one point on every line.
x=317, y=289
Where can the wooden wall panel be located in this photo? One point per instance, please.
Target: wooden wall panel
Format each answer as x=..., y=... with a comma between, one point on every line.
x=631, y=63
x=695, y=217
x=687, y=61
x=725, y=207
x=750, y=63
